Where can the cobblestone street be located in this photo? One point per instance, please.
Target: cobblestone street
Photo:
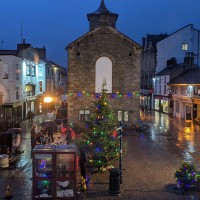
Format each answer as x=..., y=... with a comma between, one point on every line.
x=148, y=170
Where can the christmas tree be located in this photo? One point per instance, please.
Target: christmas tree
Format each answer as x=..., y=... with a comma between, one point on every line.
x=187, y=176
x=100, y=141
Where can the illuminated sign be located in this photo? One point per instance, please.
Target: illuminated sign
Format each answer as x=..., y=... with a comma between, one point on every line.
x=28, y=88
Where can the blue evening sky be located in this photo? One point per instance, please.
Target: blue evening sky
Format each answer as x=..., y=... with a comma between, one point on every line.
x=56, y=23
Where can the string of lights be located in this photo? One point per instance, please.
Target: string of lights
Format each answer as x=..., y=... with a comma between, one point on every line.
x=97, y=95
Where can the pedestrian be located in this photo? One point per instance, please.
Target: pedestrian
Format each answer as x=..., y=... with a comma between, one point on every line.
x=33, y=137
x=3, y=142
x=9, y=141
x=69, y=137
x=50, y=131
x=30, y=116
x=82, y=163
x=15, y=143
x=40, y=139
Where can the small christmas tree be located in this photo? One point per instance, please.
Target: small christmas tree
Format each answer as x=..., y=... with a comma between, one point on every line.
x=187, y=176
x=101, y=145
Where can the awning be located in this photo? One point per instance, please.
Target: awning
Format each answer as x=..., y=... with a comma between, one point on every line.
x=197, y=101
x=11, y=105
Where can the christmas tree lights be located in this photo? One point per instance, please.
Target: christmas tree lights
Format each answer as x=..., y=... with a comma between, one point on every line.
x=102, y=148
x=187, y=176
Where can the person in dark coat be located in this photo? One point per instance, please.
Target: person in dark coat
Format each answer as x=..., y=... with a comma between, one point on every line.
x=30, y=116
x=9, y=141
x=33, y=137
x=83, y=161
x=3, y=142
x=50, y=130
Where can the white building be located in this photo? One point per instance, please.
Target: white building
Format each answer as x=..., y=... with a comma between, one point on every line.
x=176, y=45
x=185, y=90
x=20, y=82
x=26, y=78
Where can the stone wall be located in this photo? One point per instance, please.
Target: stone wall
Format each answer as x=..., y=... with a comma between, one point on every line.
x=125, y=56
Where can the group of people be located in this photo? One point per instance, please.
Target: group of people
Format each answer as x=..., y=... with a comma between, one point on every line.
x=46, y=135
x=10, y=142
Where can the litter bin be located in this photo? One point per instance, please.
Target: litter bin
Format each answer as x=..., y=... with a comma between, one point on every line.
x=114, y=181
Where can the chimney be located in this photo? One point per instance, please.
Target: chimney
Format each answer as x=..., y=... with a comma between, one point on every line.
x=189, y=59
x=23, y=45
x=171, y=62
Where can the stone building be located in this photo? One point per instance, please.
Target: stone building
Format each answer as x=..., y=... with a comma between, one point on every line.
x=103, y=54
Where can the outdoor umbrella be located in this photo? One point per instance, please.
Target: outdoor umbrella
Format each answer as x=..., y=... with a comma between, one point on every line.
x=14, y=130
x=59, y=121
x=48, y=123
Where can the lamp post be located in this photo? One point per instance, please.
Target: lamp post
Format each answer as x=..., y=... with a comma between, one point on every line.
x=47, y=100
x=120, y=154
x=120, y=139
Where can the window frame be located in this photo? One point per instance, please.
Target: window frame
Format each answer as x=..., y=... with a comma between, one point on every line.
x=184, y=46
x=84, y=114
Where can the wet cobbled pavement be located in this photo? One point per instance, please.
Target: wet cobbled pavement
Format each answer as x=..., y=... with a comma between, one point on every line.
x=149, y=165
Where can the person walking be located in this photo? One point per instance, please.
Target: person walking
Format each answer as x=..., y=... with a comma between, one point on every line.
x=30, y=116
x=15, y=143
x=82, y=163
x=33, y=137
x=50, y=131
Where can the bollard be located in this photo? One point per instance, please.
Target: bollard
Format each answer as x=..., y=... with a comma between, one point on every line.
x=114, y=181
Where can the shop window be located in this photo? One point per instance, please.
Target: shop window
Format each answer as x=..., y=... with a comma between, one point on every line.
x=84, y=115
x=157, y=102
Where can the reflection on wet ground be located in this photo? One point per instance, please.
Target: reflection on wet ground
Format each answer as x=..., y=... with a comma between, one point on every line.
x=179, y=137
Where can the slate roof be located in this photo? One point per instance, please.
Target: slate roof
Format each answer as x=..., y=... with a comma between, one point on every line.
x=191, y=76
x=174, y=70
x=9, y=52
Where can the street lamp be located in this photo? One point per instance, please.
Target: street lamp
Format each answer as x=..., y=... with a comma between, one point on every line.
x=48, y=100
x=120, y=137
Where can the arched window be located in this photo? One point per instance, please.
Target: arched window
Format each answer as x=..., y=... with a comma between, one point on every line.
x=103, y=72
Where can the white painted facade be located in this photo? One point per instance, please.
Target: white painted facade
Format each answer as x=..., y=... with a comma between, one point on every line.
x=171, y=46
x=161, y=100
x=20, y=82
x=11, y=79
